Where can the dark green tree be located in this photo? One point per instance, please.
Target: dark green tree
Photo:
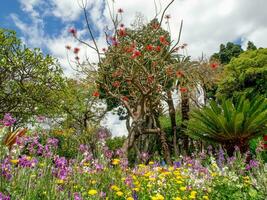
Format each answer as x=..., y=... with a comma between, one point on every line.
x=251, y=46
x=227, y=52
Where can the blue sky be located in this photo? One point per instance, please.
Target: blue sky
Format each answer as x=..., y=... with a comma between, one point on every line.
x=207, y=24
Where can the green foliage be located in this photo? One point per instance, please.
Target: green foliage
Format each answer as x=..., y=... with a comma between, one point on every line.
x=227, y=52
x=254, y=146
x=245, y=74
x=81, y=109
x=251, y=46
x=29, y=80
x=166, y=126
x=230, y=123
x=115, y=142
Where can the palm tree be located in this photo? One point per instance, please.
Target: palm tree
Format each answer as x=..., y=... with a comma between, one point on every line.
x=230, y=123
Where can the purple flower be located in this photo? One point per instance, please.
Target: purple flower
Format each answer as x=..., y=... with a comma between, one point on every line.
x=6, y=169
x=77, y=196
x=26, y=161
x=8, y=120
x=144, y=156
x=102, y=194
x=119, y=153
x=83, y=148
x=53, y=142
x=99, y=167
x=221, y=158
x=4, y=197
x=129, y=181
x=177, y=164
x=254, y=163
x=108, y=154
x=40, y=119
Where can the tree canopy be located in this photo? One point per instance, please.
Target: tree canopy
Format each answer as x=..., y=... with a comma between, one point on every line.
x=245, y=74
x=28, y=79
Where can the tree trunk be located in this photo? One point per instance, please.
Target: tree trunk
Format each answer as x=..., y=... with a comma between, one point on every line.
x=164, y=144
x=185, y=118
x=172, y=115
x=242, y=144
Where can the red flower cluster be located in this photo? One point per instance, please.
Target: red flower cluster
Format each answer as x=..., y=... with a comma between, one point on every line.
x=158, y=48
x=150, y=79
x=183, y=89
x=96, y=94
x=214, y=65
x=124, y=98
x=136, y=54
x=116, y=84
x=122, y=32
x=149, y=47
x=163, y=40
x=76, y=50
x=73, y=31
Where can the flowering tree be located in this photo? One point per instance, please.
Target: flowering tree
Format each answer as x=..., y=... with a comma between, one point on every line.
x=135, y=71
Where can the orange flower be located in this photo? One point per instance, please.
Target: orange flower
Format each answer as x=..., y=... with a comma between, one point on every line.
x=96, y=94
x=183, y=89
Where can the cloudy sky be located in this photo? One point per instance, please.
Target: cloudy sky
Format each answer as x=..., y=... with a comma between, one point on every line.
x=207, y=23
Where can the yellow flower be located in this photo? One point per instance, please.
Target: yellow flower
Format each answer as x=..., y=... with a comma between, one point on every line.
x=182, y=188
x=59, y=181
x=93, y=181
x=205, y=197
x=213, y=174
x=41, y=164
x=14, y=161
x=179, y=182
x=151, y=163
x=130, y=198
x=147, y=174
x=119, y=193
x=92, y=192
x=157, y=197
x=177, y=198
x=86, y=164
x=136, y=189
x=115, y=188
x=115, y=161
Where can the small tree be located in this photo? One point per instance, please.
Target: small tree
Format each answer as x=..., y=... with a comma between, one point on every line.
x=29, y=80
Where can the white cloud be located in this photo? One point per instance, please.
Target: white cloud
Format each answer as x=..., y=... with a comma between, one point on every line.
x=66, y=10
x=112, y=122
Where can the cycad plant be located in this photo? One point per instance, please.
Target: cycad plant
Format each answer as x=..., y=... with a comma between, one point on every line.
x=231, y=122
